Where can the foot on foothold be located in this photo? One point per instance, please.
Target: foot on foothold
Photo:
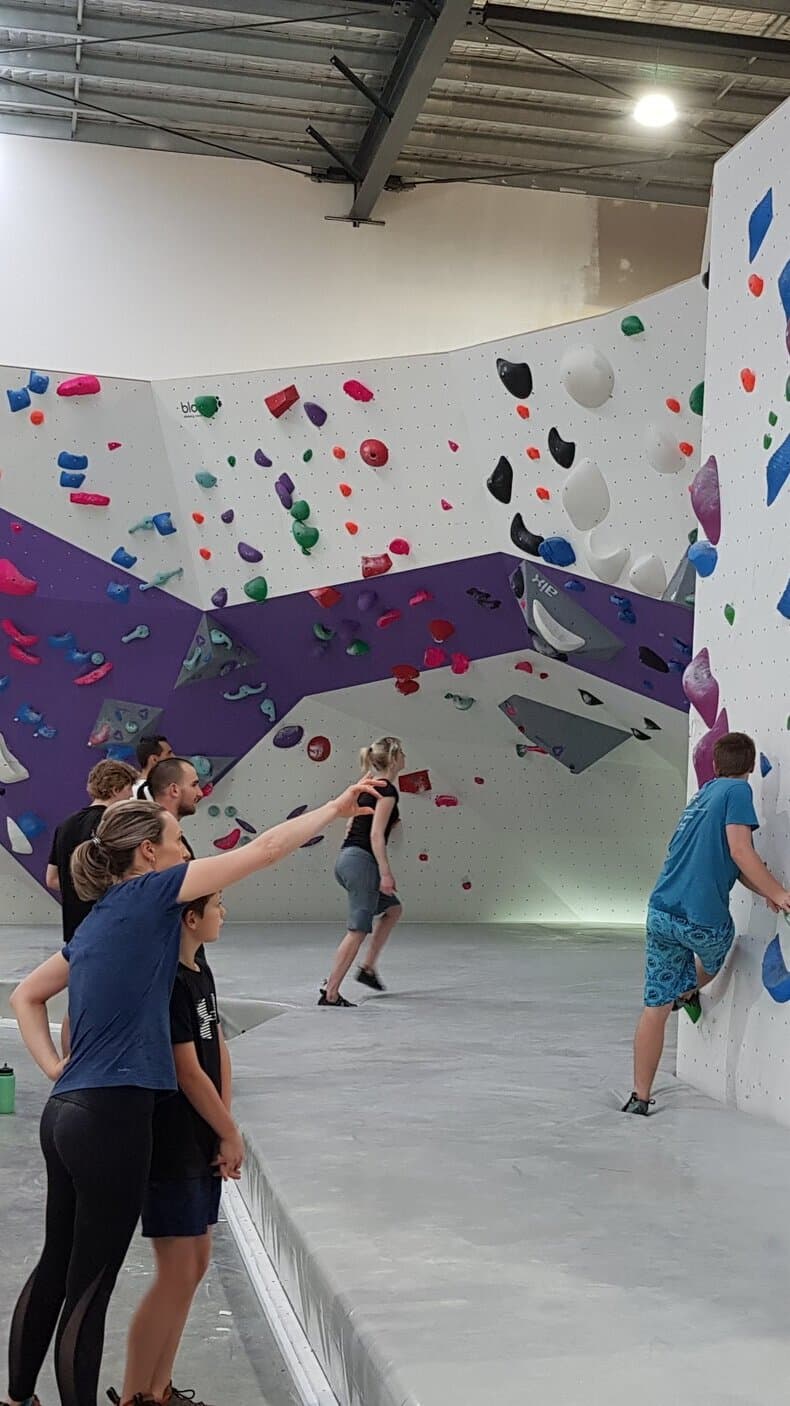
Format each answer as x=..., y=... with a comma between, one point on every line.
x=638, y=1105
x=323, y=1000
x=368, y=977
x=690, y=1004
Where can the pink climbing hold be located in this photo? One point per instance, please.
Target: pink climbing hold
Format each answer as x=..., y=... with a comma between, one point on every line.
x=447, y=507
x=420, y=597
x=701, y=688
x=466, y=884
x=80, y=385
x=399, y=547
x=12, y=582
x=434, y=657
x=706, y=499
x=525, y=666
x=9, y=628
x=388, y=618
x=357, y=391
x=95, y=676
x=114, y=444
x=281, y=401
x=90, y=500
x=702, y=756
x=376, y=566
x=480, y=781
x=374, y=452
x=22, y=656
x=459, y=663
x=453, y=445
x=447, y=801
x=228, y=841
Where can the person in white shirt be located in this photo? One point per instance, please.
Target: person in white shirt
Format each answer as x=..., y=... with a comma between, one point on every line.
x=150, y=750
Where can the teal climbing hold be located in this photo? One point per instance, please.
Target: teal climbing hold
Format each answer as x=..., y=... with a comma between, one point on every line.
x=205, y=479
x=232, y=460
x=213, y=811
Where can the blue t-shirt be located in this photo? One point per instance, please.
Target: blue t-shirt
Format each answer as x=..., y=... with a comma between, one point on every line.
x=122, y=965
x=699, y=870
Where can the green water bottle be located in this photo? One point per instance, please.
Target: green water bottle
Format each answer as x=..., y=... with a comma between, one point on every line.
x=7, y=1089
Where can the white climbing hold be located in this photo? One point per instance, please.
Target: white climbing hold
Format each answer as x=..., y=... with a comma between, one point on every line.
x=606, y=562
x=11, y=769
x=662, y=450
x=585, y=496
x=587, y=376
x=560, y=638
x=18, y=841
x=648, y=575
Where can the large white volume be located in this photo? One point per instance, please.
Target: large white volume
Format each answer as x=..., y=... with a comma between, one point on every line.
x=585, y=496
x=648, y=575
x=605, y=562
x=587, y=376
x=662, y=450
x=17, y=838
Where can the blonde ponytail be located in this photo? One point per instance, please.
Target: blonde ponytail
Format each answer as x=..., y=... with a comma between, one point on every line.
x=108, y=856
x=380, y=755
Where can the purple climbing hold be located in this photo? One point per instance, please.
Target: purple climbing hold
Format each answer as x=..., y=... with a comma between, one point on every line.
x=308, y=844
x=261, y=460
x=287, y=483
x=778, y=471
x=248, y=553
x=702, y=755
x=316, y=414
x=348, y=630
x=288, y=737
x=759, y=223
x=219, y=598
x=228, y=515
x=366, y=600
x=706, y=498
x=284, y=494
x=299, y=810
x=701, y=688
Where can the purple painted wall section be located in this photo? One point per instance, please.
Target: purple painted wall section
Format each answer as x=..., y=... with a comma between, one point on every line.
x=72, y=597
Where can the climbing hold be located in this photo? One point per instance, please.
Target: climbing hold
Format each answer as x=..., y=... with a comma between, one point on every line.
x=352, y=528
x=245, y=690
x=339, y=452
x=219, y=598
x=319, y=748
x=516, y=377
x=356, y=391
x=445, y=506
x=706, y=500
x=366, y=600
x=284, y=493
x=289, y=736
x=261, y=460
x=459, y=663
x=18, y=399
x=748, y=379
x=783, y=604
x=420, y=597
x=648, y=575
x=434, y=657
x=441, y=630
x=605, y=564
x=760, y=223
x=374, y=452
x=462, y=701
x=632, y=325
x=80, y=385
x=532, y=452
x=248, y=553
x=662, y=450
x=95, y=676
x=327, y=596
x=778, y=470
x=12, y=582
x=654, y=727
x=522, y=411
x=268, y=709
x=399, y=547
x=423, y=858
x=118, y=591
x=18, y=841
x=376, y=566
x=640, y=736
x=561, y=450
x=522, y=538
x=500, y=482
x=307, y=456
x=300, y=510
x=146, y=524
x=651, y=660
x=587, y=376
x=574, y=586
x=673, y=405
x=29, y=715
x=323, y=632
x=22, y=656
x=227, y=516
x=257, y=588
x=557, y=551
x=407, y=686
x=524, y=666
x=345, y=489
x=701, y=688
x=446, y=801
x=71, y=480
x=315, y=413
x=686, y=449
x=765, y=765
x=205, y=553
x=702, y=755
x=90, y=500
x=163, y=523
x=36, y=417
x=772, y=417
x=26, y=641
x=75, y=463
x=388, y=618
x=453, y=446
x=38, y=383
x=305, y=536
x=590, y=699
x=123, y=558
x=703, y=558
x=543, y=494
x=280, y=401
x=229, y=841
x=114, y=444
x=729, y=614
x=585, y=495
x=11, y=769
x=140, y=632
x=404, y=671
x=697, y=399
x=357, y=648
x=205, y=479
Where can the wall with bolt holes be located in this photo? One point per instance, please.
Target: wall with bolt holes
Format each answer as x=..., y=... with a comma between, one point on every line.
x=528, y=840
x=740, y=1052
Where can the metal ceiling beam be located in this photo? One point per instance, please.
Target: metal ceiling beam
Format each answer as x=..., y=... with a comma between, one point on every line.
x=418, y=64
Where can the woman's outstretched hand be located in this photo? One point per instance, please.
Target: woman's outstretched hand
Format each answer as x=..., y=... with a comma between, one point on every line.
x=348, y=805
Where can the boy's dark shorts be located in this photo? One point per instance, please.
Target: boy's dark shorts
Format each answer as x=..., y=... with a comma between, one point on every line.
x=672, y=942
x=187, y=1207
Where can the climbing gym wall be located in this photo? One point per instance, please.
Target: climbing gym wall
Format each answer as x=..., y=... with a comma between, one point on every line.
x=740, y=675
x=483, y=551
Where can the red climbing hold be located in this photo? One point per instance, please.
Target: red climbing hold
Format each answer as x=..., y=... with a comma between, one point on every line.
x=543, y=676
x=532, y=452
x=447, y=801
x=352, y=528
x=420, y=597
x=399, y=547
x=357, y=391
x=198, y=518
x=686, y=449
x=10, y=629
x=480, y=781
x=423, y=858
x=523, y=411
x=525, y=666
x=228, y=841
x=441, y=630
x=376, y=566
x=434, y=657
x=22, y=656
x=404, y=671
x=466, y=884
x=673, y=405
x=388, y=618
x=281, y=401
x=407, y=686
x=90, y=500
x=446, y=507
x=114, y=444
x=205, y=553
x=327, y=596
x=318, y=749
x=756, y=284
x=37, y=417
x=543, y=494
x=374, y=452
x=12, y=582
x=453, y=445
x=95, y=676
x=748, y=379
x=339, y=452
x=345, y=489
x=459, y=663
x=16, y=527
x=414, y=783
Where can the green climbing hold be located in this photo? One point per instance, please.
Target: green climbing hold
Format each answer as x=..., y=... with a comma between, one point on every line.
x=256, y=589
x=693, y=535
x=787, y=389
x=729, y=614
x=207, y=405
x=205, y=479
x=232, y=460
x=305, y=535
x=358, y=647
x=231, y=812
x=307, y=456
x=631, y=326
x=213, y=811
x=772, y=417
x=697, y=398
x=323, y=632
x=300, y=510
x=767, y=441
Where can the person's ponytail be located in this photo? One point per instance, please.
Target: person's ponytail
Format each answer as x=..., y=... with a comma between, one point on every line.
x=107, y=856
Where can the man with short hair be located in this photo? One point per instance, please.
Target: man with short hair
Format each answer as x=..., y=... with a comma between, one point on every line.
x=108, y=782
x=175, y=785
x=150, y=751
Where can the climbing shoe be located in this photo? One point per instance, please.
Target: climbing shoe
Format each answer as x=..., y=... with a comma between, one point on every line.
x=174, y=1395
x=30, y=1401
x=370, y=978
x=139, y=1399
x=690, y=1004
x=323, y=1000
x=639, y=1105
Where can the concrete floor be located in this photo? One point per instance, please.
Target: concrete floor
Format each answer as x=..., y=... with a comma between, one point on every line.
x=454, y=1201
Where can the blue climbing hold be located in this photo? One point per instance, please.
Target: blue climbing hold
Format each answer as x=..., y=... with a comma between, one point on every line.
x=776, y=978
x=79, y=656
x=681, y=646
x=759, y=223
x=27, y=714
x=778, y=468
x=268, y=710
x=765, y=765
x=68, y=480
x=118, y=752
x=783, y=604
x=31, y=824
x=119, y=592
x=123, y=558
x=575, y=586
x=675, y=667
x=4, y=682
x=66, y=641
x=37, y=382
x=205, y=479
x=163, y=524
x=19, y=400
x=75, y=463
x=557, y=551
x=703, y=557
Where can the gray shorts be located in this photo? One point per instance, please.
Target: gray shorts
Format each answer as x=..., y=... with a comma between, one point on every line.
x=358, y=873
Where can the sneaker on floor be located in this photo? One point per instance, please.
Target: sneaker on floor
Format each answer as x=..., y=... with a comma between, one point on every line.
x=690, y=1004
x=139, y=1399
x=175, y=1395
x=29, y=1401
x=371, y=978
x=638, y=1105
x=323, y=1000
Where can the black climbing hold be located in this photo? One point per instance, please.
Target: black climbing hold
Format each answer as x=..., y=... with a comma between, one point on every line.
x=516, y=377
x=590, y=699
x=651, y=660
x=563, y=451
x=522, y=538
x=640, y=736
x=706, y=278
x=654, y=727
x=517, y=585
x=484, y=598
x=500, y=483
x=693, y=535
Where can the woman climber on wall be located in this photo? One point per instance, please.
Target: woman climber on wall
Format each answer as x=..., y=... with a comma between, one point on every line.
x=96, y=1128
x=363, y=869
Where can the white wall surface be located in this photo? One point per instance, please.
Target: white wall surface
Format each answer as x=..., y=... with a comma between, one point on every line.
x=741, y=1050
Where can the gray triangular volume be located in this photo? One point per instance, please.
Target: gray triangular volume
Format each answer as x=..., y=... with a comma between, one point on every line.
x=219, y=765
x=682, y=587
x=573, y=741
x=121, y=723
x=559, y=618
x=213, y=654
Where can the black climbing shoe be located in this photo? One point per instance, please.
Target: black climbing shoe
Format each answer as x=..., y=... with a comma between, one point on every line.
x=173, y=1394
x=690, y=1004
x=370, y=978
x=340, y=1001
x=638, y=1105
x=139, y=1399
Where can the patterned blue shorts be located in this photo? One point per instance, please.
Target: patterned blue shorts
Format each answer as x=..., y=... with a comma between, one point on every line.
x=671, y=945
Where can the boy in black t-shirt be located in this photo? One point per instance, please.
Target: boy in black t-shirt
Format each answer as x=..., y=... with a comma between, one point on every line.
x=107, y=783
x=196, y=1146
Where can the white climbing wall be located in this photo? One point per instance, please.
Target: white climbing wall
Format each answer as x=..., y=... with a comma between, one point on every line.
x=740, y=1052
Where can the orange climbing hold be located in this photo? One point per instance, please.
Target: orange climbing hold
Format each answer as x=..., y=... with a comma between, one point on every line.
x=523, y=411
x=673, y=405
x=339, y=452
x=198, y=518
x=345, y=489
x=543, y=494
x=748, y=379
x=352, y=528
x=686, y=449
x=205, y=553
x=756, y=284
x=37, y=417
x=532, y=452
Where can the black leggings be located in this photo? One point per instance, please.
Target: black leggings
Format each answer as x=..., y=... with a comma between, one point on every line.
x=97, y=1147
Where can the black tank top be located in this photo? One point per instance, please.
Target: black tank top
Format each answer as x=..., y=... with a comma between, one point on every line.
x=358, y=834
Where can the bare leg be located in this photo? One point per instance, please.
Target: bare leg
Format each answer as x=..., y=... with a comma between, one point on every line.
x=344, y=957
x=380, y=935
x=156, y=1328
x=648, y=1047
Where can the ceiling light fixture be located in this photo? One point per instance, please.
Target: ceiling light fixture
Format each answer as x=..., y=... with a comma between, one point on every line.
x=655, y=110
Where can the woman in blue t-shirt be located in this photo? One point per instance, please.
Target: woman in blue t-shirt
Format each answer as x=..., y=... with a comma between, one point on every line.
x=119, y=967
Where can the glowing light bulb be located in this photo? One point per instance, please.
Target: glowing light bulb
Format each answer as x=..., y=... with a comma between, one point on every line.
x=655, y=110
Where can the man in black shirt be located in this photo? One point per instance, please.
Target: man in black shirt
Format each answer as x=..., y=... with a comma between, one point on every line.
x=175, y=785
x=150, y=750
x=107, y=782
